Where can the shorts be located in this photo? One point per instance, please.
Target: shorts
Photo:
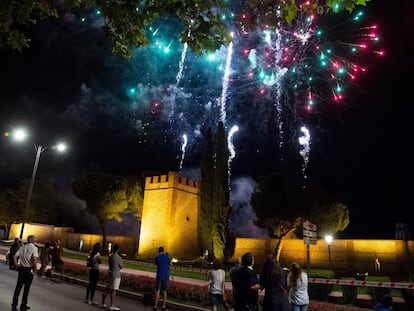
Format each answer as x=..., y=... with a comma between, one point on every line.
x=113, y=283
x=216, y=299
x=161, y=284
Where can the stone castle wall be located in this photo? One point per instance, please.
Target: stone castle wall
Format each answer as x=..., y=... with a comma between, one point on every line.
x=170, y=219
x=170, y=216
x=348, y=257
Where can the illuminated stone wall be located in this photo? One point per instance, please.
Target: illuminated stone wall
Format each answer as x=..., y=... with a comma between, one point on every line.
x=127, y=244
x=170, y=217
x=41, y=231
x=348, y=257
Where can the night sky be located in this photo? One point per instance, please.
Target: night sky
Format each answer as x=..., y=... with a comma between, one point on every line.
x=129, y=116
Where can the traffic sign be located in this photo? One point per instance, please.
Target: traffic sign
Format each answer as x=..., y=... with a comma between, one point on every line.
x=309, y=226
x=308, y=240
x=309, y=233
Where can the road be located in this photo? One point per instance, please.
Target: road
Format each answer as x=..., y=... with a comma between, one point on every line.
x=56, y=295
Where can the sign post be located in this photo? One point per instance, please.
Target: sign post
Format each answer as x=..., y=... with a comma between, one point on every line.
x=309, y=237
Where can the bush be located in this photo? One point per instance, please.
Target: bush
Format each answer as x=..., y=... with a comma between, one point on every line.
x=320, y=291
x=142, y=284
x=349, y=293
x=377, y=293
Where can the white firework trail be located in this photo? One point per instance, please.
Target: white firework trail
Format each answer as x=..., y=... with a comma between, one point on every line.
x=225, y=84
x=180, y=72
x=304, y=141
x=276, y=78
x=183, y=146
x=230, y=145
x=181, y=65
x=279, y=75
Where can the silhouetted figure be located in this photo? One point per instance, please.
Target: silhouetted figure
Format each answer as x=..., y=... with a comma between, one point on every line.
x=93, y=274
x=57, y=262
x=246, y=285
x=237, y=265
x=385, y=304
x=163, y=262
x=273, y=281
x=13, y=249
x=45, y=259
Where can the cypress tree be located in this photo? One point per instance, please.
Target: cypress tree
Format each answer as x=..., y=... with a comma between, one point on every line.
x=214, y=201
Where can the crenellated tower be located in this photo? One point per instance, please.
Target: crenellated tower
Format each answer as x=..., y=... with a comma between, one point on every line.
x=170, y=216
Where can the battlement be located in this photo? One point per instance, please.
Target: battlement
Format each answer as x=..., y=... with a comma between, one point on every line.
x=172, y=180
x=170, y=215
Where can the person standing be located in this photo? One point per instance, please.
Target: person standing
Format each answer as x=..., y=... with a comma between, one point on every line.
x=216, y=287
x=13, y=249
x=93, y=274
x=114, y=277
x=273, y=281
x=297, y=280
x=385, y=304
x=57, y=262
x=163, y=262
x=26, y=266
x=246, y=285
x=237, y=265
x=44, y=259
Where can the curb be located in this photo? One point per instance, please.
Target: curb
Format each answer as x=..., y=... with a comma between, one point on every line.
x=173, y=305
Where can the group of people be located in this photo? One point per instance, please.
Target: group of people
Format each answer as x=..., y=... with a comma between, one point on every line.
x=115, y=264
x=50, y=255
x=24, y=258
x=283, y=291
x=113, y=280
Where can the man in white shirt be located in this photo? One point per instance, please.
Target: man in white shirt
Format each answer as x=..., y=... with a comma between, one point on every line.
x=28, y=256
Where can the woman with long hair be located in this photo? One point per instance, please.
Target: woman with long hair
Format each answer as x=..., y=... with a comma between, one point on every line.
x=273, y=281
x=298, y=288
x=216, y=287
x=45, y=259
x=93, y=274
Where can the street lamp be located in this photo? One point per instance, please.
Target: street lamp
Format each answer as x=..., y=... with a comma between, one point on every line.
x=20, y=135
x=328, y=239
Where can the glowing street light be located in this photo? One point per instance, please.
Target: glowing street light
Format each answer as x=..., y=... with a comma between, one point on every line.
x=328, y=239
x=21, y=135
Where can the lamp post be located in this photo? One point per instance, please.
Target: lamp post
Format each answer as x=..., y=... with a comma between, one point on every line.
x=20, y=135
x=328, y=239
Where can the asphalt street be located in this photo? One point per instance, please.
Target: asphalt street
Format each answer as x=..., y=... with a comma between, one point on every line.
x=55, y=294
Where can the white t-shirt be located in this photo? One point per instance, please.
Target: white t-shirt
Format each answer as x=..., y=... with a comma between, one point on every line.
x=217, y=279
x=26, y=253
x=298, y=295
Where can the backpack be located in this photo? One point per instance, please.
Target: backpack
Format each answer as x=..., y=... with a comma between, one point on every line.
x=148, y=298
x=89, y=261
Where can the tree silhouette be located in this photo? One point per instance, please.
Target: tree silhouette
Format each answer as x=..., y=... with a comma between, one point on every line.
x=108, y=196
x=282, y=204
